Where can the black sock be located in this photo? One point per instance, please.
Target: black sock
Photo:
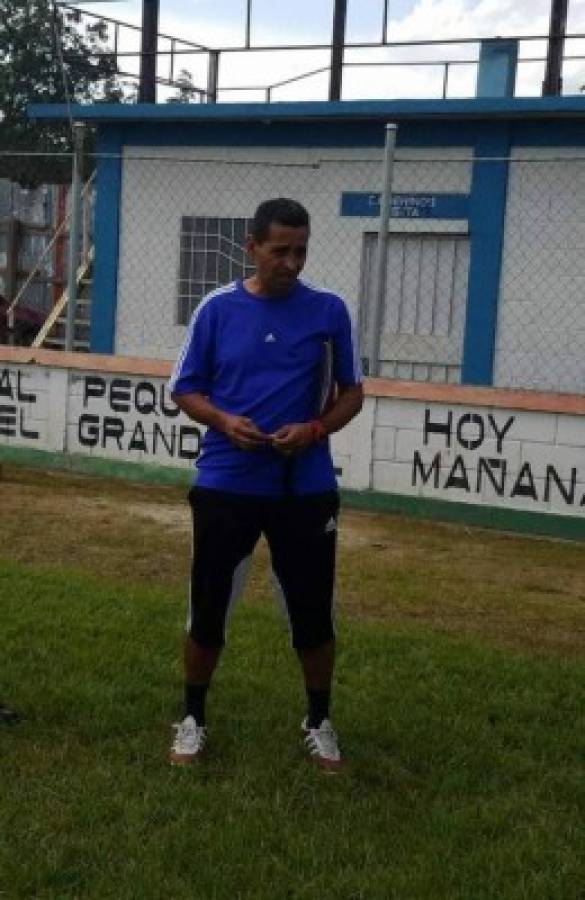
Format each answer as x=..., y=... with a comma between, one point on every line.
x=318, y=707
x=195, y=701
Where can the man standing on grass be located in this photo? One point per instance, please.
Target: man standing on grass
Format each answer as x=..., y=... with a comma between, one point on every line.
x=251, y=370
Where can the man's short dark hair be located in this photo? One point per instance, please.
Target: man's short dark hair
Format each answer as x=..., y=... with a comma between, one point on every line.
x=280, y=211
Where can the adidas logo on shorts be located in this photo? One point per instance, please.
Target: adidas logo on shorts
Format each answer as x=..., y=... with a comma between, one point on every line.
x=331, y=526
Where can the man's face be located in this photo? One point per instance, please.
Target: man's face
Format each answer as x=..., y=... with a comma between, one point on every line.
x=279, y=258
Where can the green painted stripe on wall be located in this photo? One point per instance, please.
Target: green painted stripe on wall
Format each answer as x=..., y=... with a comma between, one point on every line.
x=546, y=524
x=92, y=465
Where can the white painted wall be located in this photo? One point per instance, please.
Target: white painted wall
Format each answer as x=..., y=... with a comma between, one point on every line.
x=128, y=418
x=518, y=447
x=540, y=342
x=94, y=414
x=388, y=448
x=160, y=185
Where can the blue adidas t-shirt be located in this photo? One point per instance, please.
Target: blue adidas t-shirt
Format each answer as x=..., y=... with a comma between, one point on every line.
x=263, y=358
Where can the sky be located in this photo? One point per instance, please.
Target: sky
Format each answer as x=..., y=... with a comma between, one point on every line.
x=221, y=23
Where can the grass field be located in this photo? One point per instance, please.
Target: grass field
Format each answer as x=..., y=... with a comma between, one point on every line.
x=459, y=701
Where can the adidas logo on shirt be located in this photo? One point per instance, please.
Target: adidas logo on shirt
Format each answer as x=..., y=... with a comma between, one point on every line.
x=270, y=339
x=331, y=526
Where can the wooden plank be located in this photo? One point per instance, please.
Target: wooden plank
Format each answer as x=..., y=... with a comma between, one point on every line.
x=61, y=303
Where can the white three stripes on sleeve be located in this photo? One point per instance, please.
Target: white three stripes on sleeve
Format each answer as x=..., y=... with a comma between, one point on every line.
x=178, y=369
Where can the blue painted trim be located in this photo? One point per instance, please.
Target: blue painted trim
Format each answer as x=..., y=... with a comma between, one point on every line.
x=308, y=110
x=486, y=225
x=252, y=134
x=424, y=134
x=293, y=134
x=107, y=243
x=566, y=133
x=498, y=64
x=406, y=206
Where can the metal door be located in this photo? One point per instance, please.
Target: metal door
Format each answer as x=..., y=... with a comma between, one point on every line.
x=424, y=313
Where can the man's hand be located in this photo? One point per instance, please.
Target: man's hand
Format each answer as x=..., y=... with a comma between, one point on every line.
x=291, y=439
x=243, y=433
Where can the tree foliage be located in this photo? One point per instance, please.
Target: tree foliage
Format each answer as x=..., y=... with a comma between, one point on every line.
x=186, y=91
x=46, y=57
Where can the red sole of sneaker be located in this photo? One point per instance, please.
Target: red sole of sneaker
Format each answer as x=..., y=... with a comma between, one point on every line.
x=331, y=768
x=184, y=760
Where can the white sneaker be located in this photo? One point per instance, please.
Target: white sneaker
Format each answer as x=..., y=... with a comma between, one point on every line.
x=322, y=745
x=189, y=742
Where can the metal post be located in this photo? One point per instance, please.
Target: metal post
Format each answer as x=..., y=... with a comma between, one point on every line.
x=377, y=311
x=212, y=76
x=445, y=81
x=385, y=23
x=337, y=48
x=11, y=275
x=86, y=219
x=248, y=23
x=553, y=82
x=74, y=232
x=59, y=252
x=172, y=63
x=147, y=89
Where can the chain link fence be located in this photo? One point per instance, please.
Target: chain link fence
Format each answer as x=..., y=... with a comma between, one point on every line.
x=34, y=254
x=461, y=279
x=540, y=339
x=27, y=218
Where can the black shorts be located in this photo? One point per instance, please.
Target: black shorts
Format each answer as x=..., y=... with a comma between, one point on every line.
x=301, y=532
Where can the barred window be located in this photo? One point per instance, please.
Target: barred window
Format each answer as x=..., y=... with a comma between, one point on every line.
x=212, y=254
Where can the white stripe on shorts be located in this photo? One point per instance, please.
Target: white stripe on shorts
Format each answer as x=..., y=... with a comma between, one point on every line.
x=238, y=584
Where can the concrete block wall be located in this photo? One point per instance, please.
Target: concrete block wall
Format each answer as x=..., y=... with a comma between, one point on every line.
x=505, y=449
x=481, y=454
x=125, y=415
x=109, y=415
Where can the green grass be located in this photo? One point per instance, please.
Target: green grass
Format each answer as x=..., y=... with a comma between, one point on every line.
x=464, y=775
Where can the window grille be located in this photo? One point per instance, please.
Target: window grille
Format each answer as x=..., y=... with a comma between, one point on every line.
x=212, y=254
